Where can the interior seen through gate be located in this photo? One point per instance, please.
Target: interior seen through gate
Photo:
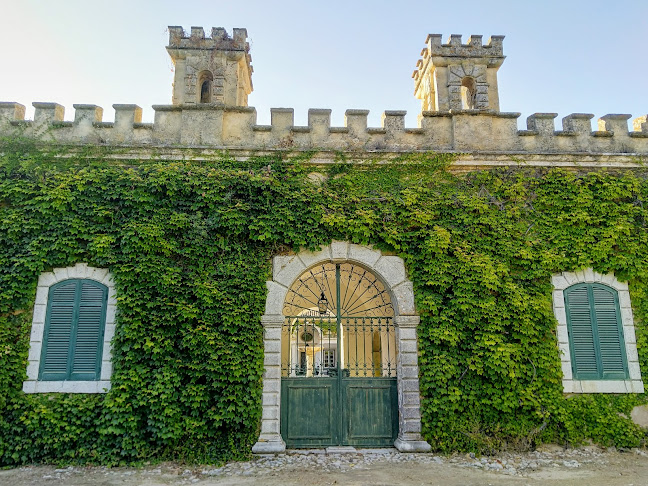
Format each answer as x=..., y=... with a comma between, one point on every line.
x=338, y=319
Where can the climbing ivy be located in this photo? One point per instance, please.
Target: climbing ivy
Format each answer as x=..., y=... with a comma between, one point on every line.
x=190, y=245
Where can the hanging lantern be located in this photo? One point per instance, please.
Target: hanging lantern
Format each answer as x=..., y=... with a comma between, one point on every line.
x=322, y=304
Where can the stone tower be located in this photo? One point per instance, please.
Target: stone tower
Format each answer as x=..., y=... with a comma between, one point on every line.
x=456, y=76
x=215, y=69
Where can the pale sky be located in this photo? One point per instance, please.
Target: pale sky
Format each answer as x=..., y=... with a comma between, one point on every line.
x=562, y=56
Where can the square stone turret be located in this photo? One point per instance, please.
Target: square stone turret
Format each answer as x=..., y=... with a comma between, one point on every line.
x=456, y=76
x=214, y=69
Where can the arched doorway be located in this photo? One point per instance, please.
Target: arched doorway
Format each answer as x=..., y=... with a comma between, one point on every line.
x=341, y=364
x=338, y=360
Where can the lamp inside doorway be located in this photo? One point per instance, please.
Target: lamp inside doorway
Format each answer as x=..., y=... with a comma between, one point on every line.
x=322, y=304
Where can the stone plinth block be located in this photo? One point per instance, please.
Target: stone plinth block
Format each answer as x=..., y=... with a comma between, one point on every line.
x=48, y=112
x=91, y=113
x=404, y=445
x=11, y=111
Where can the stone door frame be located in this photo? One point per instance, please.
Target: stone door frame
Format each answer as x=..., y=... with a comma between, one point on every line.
x=391, y=270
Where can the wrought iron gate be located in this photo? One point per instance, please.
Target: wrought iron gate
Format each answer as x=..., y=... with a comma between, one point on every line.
x=338, y=369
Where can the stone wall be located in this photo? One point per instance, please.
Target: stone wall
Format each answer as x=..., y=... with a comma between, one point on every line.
x=227, y=127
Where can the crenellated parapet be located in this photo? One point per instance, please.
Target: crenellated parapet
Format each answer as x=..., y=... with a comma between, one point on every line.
x=235, y=128
x=456, y=82
x=454, y=47
x=219, y=39
x=457, y=76
x=216, y=69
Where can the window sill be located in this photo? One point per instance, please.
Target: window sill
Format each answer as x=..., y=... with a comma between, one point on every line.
x=66, y=386
x=603, y=386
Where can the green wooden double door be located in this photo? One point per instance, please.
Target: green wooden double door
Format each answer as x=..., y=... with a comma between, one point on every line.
x=321, y=412
x=338, y=384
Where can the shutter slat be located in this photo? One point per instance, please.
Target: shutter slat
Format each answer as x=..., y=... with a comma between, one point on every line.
x=607, y=321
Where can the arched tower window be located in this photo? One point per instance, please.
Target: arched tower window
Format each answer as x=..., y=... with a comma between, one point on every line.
x=468, y=93
x=205, y=81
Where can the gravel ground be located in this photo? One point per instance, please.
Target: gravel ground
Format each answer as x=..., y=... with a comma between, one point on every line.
x=379, y=467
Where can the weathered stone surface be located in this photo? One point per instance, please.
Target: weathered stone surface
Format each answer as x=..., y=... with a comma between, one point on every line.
x=286, y=269
x=275, y=299
x=639, y=415
x=412, y=445
x=404, y=295
x=311, y=258
x=391, y=269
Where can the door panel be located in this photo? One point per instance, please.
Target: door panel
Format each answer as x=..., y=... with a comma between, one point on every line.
x=309, y=411
x=371, y=411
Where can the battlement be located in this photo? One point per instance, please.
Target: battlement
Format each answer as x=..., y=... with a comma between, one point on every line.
x=492, y=52
x=235, y=128
x=219, y=40
x=455, y=48
x=455, y=76
x=216, y=69
x=456, y=82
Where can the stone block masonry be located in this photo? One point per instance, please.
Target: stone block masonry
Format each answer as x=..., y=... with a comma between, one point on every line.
x=456, y=82
x=212, y=126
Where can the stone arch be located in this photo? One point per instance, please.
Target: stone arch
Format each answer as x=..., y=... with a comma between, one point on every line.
x=466, y=77
x=468, y=93
x=389, y=269
x=205, y=81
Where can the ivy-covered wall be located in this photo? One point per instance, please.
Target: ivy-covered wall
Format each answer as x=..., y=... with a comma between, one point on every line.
x=190, y=245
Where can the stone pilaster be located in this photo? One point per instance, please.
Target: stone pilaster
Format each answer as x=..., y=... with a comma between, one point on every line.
x=409, y=399
x=270, y=441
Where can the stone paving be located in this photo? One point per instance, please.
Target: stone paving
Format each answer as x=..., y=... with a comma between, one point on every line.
x=506, y=463
x=593, y=465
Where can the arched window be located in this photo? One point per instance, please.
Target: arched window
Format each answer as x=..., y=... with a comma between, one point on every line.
x=468, y=93
x=595, y=332
x=205, y=81
x=596, y=336
x=72, y=328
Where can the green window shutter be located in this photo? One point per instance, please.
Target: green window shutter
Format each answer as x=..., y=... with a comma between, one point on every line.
x=582, y=341
x=595, y=332
x=58, y=331
x=74, y=329
x=88, y=342
x=610, y=333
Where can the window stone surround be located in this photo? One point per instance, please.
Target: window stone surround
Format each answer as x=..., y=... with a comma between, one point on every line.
x=634, y=384
x=45, y=281
x=391, y=270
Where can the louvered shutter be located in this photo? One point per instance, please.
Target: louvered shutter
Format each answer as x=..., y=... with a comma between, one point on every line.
x=74, y=327
x=610, y=333
x=581, y=333
x=595, y=333
x=58, y=331
x=88, y=342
